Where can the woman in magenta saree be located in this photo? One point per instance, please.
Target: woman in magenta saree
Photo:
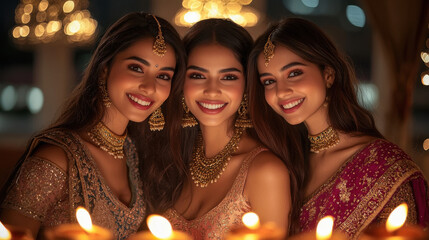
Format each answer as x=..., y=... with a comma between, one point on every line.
x=366, y=189
x=342, y=166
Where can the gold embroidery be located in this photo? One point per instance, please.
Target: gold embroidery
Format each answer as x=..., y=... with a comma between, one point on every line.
x=85, y=186
x=344, y=194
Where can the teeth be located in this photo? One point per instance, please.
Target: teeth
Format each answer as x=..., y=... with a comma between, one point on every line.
x=139, y=101
x=211, y=106
x=292, y=104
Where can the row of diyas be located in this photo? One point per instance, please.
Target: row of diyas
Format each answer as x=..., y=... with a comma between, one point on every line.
x=394, y=229
x=160, y=228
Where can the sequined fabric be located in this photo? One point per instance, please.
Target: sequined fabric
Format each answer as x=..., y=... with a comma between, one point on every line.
x=44, y=192
x=223, y=217
x=367, y=187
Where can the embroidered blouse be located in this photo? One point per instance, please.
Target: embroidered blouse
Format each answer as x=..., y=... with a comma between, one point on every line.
x=44, y=192
x=226, y=215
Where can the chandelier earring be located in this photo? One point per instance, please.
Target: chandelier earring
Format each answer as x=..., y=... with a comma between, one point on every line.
x=102, y=83
x=188, y=120
x=243, y=120
x=156, y=120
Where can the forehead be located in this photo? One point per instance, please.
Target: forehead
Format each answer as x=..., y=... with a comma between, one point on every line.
x=213, y=55
x=143, y=48
x=282, y=56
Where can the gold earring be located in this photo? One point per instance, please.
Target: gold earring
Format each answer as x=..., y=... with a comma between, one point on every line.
x=156, y=120
x=188, y=120
x=102, y=83
x=326, y=102
x=243, y=120
x=159, y=47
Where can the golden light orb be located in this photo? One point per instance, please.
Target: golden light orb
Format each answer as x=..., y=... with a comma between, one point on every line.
x=73, y=27
x=41, y=17
x=425, y=79
x=68, y=6
x=25, y=18
x=16, y=32
x=39, y=30
x=192, y=17
x=43, y=5
x=24, y=31
x=53, y=26
x=28, y=8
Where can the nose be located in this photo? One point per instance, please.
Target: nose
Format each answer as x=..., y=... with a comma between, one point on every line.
x=283, y=89
x=212, y=87
x=148, y=84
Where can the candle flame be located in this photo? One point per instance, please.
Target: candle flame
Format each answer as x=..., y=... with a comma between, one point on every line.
x=84, y=219
x=324, y=228
x=397, y=218
x=4, y=233
x=251, y=220
x=159, y=226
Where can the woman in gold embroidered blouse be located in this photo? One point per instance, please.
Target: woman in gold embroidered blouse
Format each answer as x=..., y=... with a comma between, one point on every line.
x=229, y=171
x=349, y=170
x=87, y=157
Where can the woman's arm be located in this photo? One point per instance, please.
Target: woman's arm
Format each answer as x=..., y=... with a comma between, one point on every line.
x=268, y=189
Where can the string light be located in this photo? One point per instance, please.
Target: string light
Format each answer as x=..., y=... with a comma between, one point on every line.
x=236, y=10
x=44, y=21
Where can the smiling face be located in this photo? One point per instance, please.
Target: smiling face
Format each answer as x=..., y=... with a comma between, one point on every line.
x=214, y=84
x=295, y=88
x=139, y=81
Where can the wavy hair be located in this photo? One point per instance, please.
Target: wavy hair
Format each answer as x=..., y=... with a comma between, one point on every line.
x=345, y=114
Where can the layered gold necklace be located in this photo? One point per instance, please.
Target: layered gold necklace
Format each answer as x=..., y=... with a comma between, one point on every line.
x=208, y=170
x=324, y=140
x=105, y=139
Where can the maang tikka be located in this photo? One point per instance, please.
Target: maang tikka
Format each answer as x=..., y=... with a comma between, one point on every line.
x=159, y=47
x=268, y=50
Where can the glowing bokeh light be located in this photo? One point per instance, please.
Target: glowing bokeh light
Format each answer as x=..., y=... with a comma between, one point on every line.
x=35, y=100
x=355, y=15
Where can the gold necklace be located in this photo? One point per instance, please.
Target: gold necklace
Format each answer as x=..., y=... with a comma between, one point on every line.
x=105, y=139
x=324, y=140
x=208, y=170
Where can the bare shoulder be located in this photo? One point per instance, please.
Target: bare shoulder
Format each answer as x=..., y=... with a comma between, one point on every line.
x=266, y=166
x=53, y=154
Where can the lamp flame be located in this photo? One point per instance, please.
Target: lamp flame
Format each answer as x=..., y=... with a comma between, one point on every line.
x=84, y=219
x=397, y=218
x=159, y=226
x=4, y=233
x=324, y=228
x=251, y=220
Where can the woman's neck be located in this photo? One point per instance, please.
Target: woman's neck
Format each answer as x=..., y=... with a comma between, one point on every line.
x=115, y=124
x=216, y=138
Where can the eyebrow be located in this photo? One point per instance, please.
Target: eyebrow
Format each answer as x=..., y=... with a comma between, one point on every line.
x=284, y=68
x=144, y=62
x=221, y=71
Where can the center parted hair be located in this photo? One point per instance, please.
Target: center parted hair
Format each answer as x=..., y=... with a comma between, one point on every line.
x=210, y=31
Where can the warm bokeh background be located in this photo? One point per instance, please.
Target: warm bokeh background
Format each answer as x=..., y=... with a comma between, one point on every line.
x=384, y=38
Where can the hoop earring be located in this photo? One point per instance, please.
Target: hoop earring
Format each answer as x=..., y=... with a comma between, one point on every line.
x=243, y=121
x=102, y=83
x=156, y=120
x=188, y=120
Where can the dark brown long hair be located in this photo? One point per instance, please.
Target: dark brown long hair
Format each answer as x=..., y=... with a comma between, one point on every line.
x=345, y=114
x=84, y=108
x=220, y=31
